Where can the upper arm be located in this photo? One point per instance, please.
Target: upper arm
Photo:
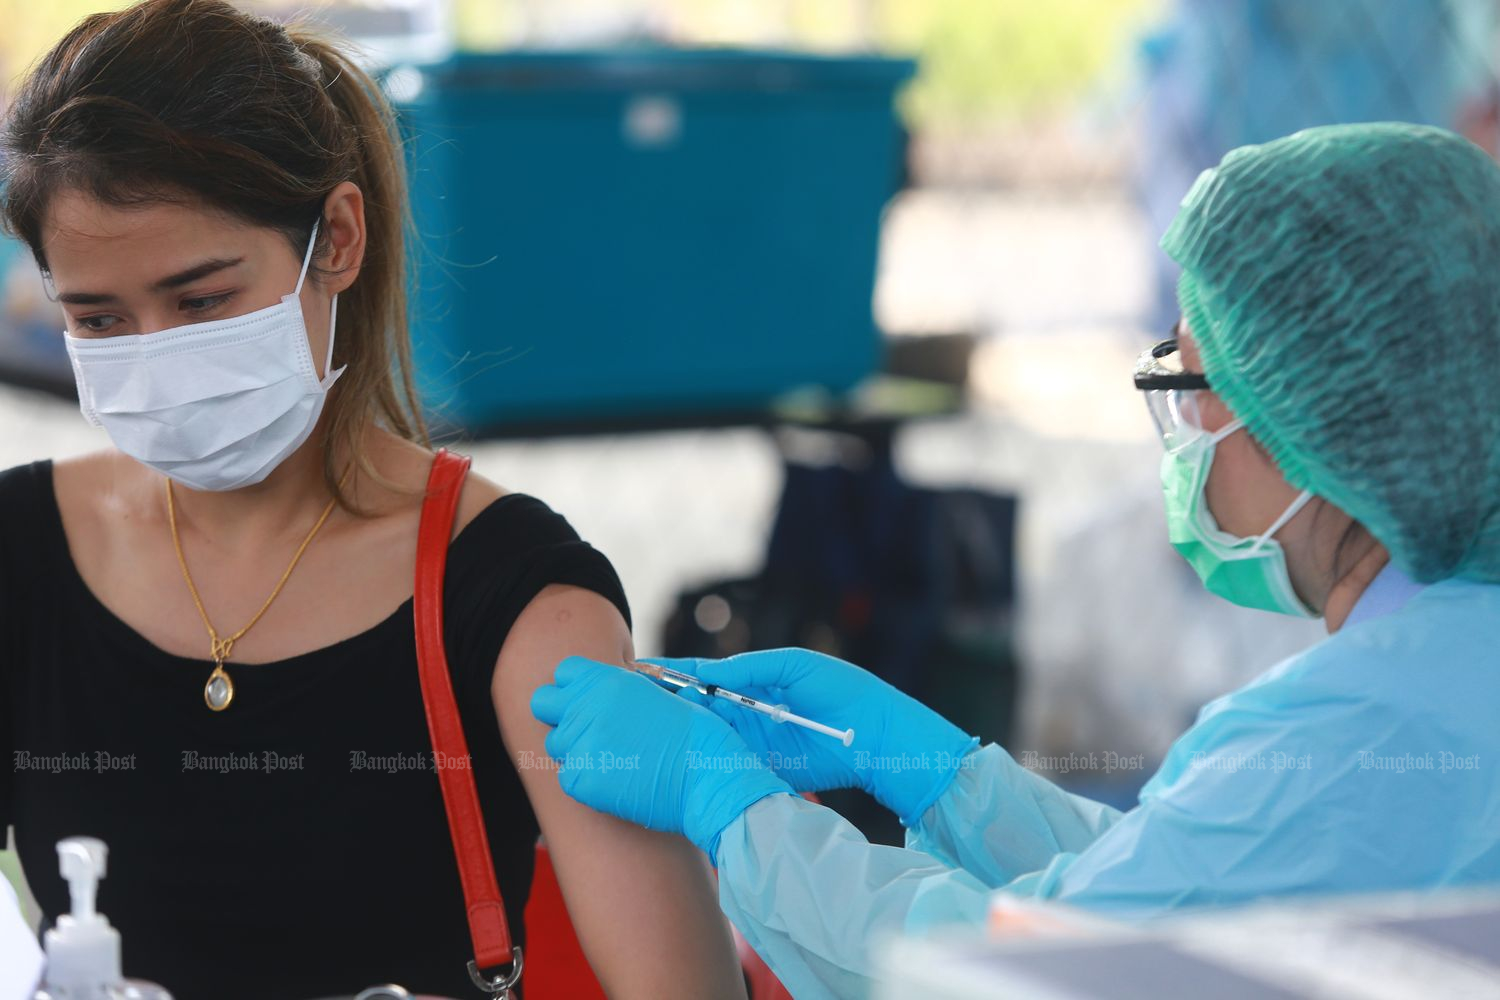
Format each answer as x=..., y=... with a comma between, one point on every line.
x=628, y=889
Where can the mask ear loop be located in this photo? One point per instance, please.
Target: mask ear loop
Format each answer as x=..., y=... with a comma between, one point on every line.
x=307, y=259
x=333, y=325
x=1226, y=430
x=333, y=313
x=1286, y=516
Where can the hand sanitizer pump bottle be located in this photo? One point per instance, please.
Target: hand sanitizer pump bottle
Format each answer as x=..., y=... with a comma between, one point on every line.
x=83, y=950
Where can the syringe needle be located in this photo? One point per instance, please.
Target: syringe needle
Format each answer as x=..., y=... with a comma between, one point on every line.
x=779, y=713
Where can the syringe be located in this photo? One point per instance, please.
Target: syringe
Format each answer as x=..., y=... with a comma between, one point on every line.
x=778, y=713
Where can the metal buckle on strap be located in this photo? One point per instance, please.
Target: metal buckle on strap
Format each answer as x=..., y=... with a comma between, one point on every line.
x=498, y=988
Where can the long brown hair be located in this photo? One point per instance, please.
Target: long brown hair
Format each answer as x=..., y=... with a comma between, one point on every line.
x=194, y=100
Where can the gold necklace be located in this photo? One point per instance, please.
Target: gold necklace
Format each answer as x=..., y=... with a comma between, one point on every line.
x=218, y=690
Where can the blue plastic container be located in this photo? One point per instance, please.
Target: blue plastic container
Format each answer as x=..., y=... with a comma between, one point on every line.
x=633, y=235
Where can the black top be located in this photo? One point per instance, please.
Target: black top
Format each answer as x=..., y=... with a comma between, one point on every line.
x=294, y=845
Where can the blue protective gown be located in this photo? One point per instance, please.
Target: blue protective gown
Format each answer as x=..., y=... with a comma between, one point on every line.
x=1369, y=762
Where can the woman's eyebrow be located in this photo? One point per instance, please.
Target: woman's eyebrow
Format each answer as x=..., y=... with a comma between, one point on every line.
x=195, y=272
x=177, y=280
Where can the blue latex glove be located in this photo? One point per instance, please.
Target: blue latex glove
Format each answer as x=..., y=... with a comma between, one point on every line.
x=903, y=753
x=636, y=751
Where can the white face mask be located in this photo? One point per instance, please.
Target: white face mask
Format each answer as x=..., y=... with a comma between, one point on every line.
x=214, y=405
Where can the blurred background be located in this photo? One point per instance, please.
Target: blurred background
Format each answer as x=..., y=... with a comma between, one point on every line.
x=817, y=316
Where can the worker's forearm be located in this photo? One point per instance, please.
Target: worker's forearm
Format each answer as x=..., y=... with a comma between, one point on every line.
x=815, y=899
x=999, y=821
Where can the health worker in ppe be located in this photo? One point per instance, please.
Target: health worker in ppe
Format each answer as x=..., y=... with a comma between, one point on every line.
x=1331, y=418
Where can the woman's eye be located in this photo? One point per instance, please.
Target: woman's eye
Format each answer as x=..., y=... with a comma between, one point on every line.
x=98, y=324
x=206, y=303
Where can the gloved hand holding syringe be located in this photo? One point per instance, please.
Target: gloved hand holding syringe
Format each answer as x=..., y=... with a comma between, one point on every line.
x=778, y=713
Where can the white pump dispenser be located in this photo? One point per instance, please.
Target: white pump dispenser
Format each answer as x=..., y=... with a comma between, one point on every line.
x=83, y=950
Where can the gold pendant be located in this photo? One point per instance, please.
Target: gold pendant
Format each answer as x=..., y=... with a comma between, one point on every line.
x=219, y=691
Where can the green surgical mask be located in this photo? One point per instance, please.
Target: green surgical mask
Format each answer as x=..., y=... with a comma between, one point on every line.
x=1250, y=572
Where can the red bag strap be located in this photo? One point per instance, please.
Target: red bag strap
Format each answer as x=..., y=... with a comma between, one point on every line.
x=486, y=911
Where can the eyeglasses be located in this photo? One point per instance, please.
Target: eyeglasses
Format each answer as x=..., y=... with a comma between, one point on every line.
x=1171, y=392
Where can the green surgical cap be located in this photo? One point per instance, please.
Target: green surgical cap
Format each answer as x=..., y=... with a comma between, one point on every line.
x=1343, y=287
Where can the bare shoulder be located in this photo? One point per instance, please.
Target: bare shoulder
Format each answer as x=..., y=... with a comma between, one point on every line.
x=408, y=464
x=92, y=468
x=103, y=485
x=479, y=493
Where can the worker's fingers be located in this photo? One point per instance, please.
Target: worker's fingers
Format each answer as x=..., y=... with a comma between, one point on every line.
x=574, y=677
x=773, y=668
x=555, y=745
x=548, y=703
x=696, y=697
x=575, y=669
